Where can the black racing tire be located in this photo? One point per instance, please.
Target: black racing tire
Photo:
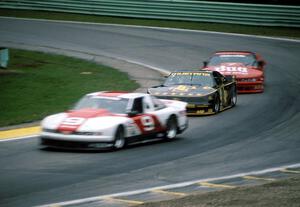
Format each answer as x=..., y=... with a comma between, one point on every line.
x=217, y=105
x=171, y=128
x=233, y=98
x=119, y=141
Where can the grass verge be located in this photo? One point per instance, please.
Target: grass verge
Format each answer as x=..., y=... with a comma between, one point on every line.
x=276, y=194
x=37, y=84
x=232, y=28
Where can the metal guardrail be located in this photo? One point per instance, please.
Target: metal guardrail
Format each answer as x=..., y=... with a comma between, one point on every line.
x=4, y=57
x=198, y=11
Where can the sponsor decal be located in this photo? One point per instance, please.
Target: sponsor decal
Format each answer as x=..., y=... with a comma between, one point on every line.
x=70, y=124
x=190, y=74
x=232, y=69
x=132, y=129
x=180, y=88
x=73, y=121
x=191, y=106
x=207, y=87
x=183, y=88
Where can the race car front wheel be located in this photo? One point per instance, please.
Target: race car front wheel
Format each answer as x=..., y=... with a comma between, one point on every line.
x=119, y=138
x=217, y=104
x=172, y=128
x=233, y=100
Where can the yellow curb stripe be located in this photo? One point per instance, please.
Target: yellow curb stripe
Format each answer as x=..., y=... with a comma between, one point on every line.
x=290, y=171
x=212, y=185
x=258, y=178
x=13, y=133
x=169, y=192
x=124, y=201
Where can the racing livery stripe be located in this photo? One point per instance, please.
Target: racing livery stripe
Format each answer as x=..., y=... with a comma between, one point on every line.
x=75, y=119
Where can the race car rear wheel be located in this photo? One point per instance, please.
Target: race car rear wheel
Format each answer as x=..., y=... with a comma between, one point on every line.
x=217, y=105
x=119, y=138
x=172, y=128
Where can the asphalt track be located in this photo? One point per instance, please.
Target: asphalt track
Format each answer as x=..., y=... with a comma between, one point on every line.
x=262, y=131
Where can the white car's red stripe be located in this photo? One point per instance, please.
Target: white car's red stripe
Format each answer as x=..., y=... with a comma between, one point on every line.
x=77, y=118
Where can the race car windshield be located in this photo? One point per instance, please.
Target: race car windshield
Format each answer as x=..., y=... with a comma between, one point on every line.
x=247, y=60
x=189, y=78
x=114, y=105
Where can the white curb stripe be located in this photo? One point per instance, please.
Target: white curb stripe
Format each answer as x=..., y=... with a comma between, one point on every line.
x=166, y=187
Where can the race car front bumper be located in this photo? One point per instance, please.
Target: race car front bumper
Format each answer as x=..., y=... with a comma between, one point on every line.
x=75, y=142
x=74, y=145
x=250, y=87
x=194, y=109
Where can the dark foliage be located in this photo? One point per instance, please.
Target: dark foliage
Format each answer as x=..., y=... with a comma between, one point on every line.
x=276, y=2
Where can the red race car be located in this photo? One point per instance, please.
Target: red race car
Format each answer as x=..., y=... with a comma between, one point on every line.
x=248, y=67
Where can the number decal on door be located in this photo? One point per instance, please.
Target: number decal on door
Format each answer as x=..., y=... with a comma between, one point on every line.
x=148, y=123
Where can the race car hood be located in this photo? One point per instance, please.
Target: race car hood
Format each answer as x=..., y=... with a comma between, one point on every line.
x=88, y=113
x=237, y=69
x=182, y=90
x=89, y=120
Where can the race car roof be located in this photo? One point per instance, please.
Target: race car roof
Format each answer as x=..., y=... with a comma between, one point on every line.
x=118, y=94
x=234, y=53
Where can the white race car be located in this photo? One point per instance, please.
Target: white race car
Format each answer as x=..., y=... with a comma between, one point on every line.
x=113, y=120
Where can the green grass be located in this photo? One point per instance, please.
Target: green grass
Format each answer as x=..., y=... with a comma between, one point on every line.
x=232, y=28
x=276, y=194
x=37, y=84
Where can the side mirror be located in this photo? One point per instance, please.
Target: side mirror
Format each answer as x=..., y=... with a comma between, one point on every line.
x=166, y=75
x=205, y=63
x=132, y=113
x=161, y=85
x=261, y=63
x=224, y=80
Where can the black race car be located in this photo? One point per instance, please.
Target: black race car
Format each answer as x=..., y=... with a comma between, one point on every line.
x=206, y=92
